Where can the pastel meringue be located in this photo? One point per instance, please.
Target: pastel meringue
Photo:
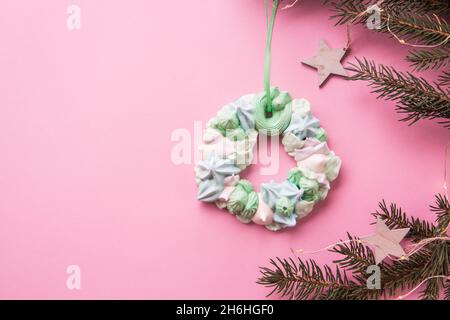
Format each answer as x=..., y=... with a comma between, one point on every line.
x=264, y=214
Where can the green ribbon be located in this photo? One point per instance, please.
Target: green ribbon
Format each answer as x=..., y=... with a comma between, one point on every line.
x=281, y=112
x=273, y=109
x=270, y=26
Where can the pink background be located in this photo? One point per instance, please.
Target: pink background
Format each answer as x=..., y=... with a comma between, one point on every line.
x=86, y=119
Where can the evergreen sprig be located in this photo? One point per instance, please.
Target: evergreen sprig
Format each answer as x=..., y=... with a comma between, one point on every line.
x=305, y=279
x=417, y=6
x=416, y=26
x=431, y=290
x=299, y=280
x=415, y=97
x=442, y=211
x=444, y=79
x=405, y=274
x=432, y=261
x=356, y=257
x=447, y=290
x=395, y=217
x=429, y=59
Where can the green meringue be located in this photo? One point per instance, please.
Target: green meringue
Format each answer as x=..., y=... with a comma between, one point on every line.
x=251, y=206
x=245, y=185
x=237, y=201
x=284, y=207
x=226, y=120
x=321, y=135
x=294, y=176
x=311, y=189
x=281, y=100
x=239, y=198
x=236, y=134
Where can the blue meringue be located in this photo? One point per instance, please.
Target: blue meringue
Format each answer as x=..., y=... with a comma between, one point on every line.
x=210, y=190
x=303, y=126
x=210, y=176
x=284, y=221
x=245, y=107
x=273, y=191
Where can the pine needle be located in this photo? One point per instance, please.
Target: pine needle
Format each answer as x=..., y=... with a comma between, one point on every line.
x=433, y=59
x=415, y=97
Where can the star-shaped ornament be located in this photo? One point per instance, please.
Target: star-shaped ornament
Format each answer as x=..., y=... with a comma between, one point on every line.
x=327, y=61
x=386, y=241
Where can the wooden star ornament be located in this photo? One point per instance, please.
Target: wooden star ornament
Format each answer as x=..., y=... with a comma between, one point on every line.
x=327, y=61
x=386, y=241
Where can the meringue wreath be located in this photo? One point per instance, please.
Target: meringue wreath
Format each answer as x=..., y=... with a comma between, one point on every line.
x=227, y=149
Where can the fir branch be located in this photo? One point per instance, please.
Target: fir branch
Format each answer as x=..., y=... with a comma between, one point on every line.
x=356, y=256
x=306, y=280
x=405, y=274
x=349, y=11
x=444, y=79
x=431, y=290
x=439, y=261
x=415, y=97
x=395, y=218
x=447, y=290
x=428, y=30
x=433, y=260
x=442, y=211
x=417, y=6
x=436, y=265
x=422, y=60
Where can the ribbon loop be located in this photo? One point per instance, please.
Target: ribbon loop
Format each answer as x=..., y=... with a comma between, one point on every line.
x=270, y=26
x=281, y=112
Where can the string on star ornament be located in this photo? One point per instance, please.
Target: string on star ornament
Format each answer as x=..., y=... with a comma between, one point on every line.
x=404, y=42
x=401, y=297
x=288, y=6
